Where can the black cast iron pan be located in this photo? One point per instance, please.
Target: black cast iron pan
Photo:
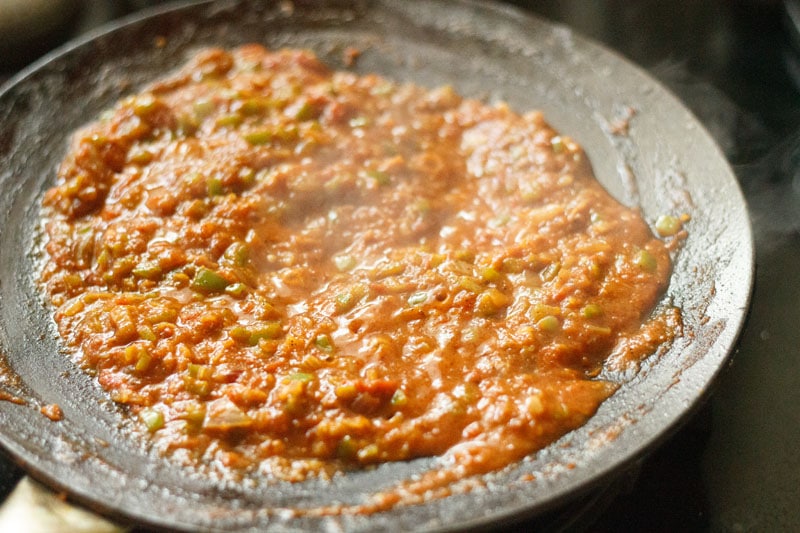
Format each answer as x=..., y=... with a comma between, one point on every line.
x=663, y=161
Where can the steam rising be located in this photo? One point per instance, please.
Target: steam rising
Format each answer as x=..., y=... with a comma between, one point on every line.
x=767, y=167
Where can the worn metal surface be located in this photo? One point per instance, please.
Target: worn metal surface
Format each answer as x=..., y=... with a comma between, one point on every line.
x=663, y=162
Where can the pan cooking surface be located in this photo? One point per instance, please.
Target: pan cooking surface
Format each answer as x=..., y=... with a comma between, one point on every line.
x=644, y=146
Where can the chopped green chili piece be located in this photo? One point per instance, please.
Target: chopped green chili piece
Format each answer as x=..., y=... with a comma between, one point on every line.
x=287, y=134
x=349, y=298
x=399, y=398
x=238, y=253
x=324, y=343
x=382, y=178
x=247, y=176
x=307, y=111
x=200, y=371
x=229, y=121
x=254, y=106
x=258, y=137
x=152, y=418
x=368, y=453
x=241, y=334
x=151, y=271
x=252, y=335
x=549, y=324
x=646, y=261
x=667, y=225
x=199, y=387
x=103, y=259
x=237, y=290
x=591, y=311
x=422, y=205
x=206, y=280
x=187, y=124
x=347, y=448
x=302, y=377
x=464, y=255
x=345, y=301
x=203, y=108
x=214, y=187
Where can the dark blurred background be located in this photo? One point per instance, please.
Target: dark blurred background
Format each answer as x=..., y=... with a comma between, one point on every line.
x=735, y=465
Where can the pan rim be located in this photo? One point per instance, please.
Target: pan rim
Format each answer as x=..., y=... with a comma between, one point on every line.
x=724, y=346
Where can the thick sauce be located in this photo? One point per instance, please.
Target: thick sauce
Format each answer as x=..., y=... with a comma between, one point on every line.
x=281, y=267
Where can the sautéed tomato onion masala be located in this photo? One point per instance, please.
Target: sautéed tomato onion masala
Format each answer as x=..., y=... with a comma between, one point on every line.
x=284, y=269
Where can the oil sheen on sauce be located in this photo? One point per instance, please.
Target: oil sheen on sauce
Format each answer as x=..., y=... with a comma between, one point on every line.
x=282, y=268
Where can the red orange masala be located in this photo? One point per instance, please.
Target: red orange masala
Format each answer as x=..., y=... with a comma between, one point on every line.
x=278, y=266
